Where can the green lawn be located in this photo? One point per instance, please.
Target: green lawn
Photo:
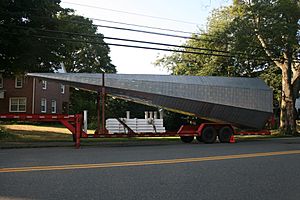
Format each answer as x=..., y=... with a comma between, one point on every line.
x=42, y=133
x=36, y=133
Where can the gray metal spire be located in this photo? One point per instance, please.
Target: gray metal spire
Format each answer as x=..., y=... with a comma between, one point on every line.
x=245, y=102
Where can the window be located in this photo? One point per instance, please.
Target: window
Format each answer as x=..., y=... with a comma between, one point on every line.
x=43, y=105
x=62, y=88
x=17, y=104
x=44, y=85
x=1, y=81
x=18, y=82
x=53, y=106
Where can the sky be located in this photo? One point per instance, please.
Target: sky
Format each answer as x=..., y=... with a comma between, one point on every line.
x=181, y=15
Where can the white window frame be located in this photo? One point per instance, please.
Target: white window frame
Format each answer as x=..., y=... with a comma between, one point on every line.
x=1, y=81
x=53, y=106
x=44, y=84
x=43, y=101
x=62, y=88
x=18, y=79
x=18, y=105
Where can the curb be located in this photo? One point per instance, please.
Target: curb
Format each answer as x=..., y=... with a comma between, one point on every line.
x=85, y=144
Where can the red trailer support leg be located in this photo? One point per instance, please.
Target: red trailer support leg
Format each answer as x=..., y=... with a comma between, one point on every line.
x=78, y=130
x=101, y=96
x=97, y=131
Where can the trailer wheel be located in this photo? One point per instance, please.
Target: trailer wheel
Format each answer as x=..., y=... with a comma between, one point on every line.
x=187, y=139
x=225, y=133
x=209, y=134
x=199, y=138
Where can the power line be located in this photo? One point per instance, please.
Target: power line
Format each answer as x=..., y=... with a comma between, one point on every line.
x=130, y=13
x=118, y=22
x=141, y=26
x=151, y=48
x=132, y=46
x=138, y=30
x=157, y=33
x=120, y=45
x=148, y=32
x=77, y=41
x=151, y=32
x=242, y=55
x=123, y=39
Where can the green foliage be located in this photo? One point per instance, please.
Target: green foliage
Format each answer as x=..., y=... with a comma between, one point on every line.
x=84, y=57
x=32, y=39
x=37, y=35
x=261, y=37
x=272, y=76
x=20, y=50
x=114, y=108
x=233, y=29
x=276, y=25
x=118, y=108
x=91, y=57
x=232, y=55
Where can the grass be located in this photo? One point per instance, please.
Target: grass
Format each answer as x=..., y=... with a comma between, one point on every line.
x=33, y=133
x=22, y=133
x=38, y=133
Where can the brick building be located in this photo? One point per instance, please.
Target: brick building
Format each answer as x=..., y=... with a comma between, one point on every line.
x=29, y=95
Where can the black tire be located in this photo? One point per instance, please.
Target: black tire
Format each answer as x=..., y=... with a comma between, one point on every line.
x=209, y=135
x=225, y=134
x=199, y=138
x=187, y=139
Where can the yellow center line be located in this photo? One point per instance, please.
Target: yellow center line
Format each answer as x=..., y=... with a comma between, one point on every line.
x=148, y=162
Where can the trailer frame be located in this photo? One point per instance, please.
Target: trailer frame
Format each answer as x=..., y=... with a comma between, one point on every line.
x=72, y=122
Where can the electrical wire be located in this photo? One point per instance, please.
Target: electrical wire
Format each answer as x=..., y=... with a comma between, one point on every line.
x=166, y=44
x=123, y=39
x=134, y=46
x=196, y=38
x=117, y=22
x=120, y=45
x=131, y=13
x=141, y=26
x=149, y=32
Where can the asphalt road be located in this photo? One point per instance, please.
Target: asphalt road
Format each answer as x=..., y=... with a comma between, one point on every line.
x=268, y=169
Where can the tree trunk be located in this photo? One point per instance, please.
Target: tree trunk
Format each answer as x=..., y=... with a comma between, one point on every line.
x=287, y=116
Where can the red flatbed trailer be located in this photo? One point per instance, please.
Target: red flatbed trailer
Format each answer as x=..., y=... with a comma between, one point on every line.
x=134, y=88
x=205, y=132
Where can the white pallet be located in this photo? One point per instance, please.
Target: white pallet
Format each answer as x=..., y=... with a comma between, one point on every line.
x=137, y=125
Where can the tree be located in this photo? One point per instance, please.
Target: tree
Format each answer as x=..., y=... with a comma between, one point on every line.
x=37, y=35
x=217, y=41
x=225, y=54
x=90, y=53
x=20, y=51
x=258, y=35
x=276, y=26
